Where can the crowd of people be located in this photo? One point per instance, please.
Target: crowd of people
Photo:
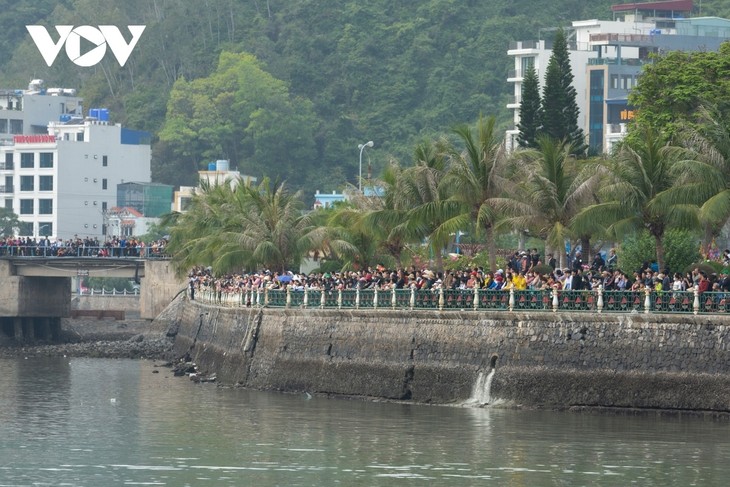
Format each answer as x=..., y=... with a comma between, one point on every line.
x=82, y=247
x=523, y=270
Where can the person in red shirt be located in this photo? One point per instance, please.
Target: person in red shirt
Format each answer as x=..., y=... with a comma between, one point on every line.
x=704, y=284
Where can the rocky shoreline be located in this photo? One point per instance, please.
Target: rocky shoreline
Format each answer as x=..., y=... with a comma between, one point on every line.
x=135, y=339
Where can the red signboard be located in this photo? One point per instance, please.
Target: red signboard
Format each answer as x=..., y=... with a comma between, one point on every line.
x=34, y=139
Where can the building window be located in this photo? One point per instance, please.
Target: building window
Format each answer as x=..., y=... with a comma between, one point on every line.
x=103, y=206
x=46, y=159
x=80, y=137
x=105, y=161
x=45, y=183
x=26, y=183
x=9, y=161
x=103, y=183
x=45, y=207
x=16, y=126
x=25, y=229
x=27, y=160
x=614, y=82
x=9, y=204
x=525, y=64
x=3, y=125
x=26, y=207
x=45, y=229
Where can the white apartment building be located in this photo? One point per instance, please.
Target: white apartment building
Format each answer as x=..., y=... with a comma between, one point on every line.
x=607, y=56
x=61, y=183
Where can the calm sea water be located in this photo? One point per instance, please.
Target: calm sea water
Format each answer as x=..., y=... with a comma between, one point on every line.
x=95, y=422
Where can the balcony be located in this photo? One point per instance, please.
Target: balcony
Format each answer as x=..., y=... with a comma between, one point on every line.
x=514, y=75
x=7, y=189
x=612, y=61
x=4, y=166
x=513, y=101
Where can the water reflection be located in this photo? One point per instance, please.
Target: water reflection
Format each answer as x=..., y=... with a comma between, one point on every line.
x=115, y=422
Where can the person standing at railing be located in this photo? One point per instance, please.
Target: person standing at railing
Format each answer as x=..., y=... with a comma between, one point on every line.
x=704, y=284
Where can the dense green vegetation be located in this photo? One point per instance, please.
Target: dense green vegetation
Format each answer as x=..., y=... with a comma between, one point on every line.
x=663, y=179
x=391, y=72
x=289, y=90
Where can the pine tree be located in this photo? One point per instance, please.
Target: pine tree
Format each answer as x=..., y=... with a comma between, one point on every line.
x=560, y=109
x=531, y=114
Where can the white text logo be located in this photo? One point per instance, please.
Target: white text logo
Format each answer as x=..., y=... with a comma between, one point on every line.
x=71, y=36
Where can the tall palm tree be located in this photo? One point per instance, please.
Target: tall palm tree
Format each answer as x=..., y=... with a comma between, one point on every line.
x=633, y=178
x=385, y=215
x=552, y=190
x=421, y=187
x=702, y=170
x=476, y=182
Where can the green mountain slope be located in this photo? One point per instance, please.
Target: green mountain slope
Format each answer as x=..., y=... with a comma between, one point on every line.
x=392, y=72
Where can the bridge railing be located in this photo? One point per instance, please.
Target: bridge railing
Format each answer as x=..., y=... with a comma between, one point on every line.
x=589, y=301
x=81, y=251
x=108, y=292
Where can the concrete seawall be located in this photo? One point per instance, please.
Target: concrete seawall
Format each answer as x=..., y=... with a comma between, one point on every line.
x=554, y=360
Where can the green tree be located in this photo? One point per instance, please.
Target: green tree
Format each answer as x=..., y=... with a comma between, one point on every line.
x=633, y=178
x=243, y=114
x=9, y=222
x=673, y=87
x=476, y=182
x=551, y=192
x=531, y=113
x=560, y=109
x=681, y=247
x=249, y=227
x=386, y=216
x=702, y=171
x=422, y=185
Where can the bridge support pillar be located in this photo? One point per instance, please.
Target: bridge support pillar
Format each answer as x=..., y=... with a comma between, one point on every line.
x=45, y=328
x=18, y=328
x=28, y=329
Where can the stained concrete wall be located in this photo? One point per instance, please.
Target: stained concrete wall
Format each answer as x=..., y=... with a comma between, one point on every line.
x=159, y=286
x=543, y=359
x=127, y=303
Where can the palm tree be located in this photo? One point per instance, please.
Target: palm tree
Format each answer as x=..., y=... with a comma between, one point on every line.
x=552, y=190
x=243, y=228
x=476, y=183
x=345, y=237
x=633, y=178
x=385, y=215
x=421, y=187
x=702, y=170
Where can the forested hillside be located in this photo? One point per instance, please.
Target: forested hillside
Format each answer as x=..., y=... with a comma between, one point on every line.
x=303, y=83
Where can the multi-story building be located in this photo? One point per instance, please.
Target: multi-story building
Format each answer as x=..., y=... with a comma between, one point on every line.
x=151, y=200
x=607, y=57
x=61, y=183
x=25, y=112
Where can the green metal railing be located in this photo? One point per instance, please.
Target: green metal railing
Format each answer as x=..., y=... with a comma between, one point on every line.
x=595, y=301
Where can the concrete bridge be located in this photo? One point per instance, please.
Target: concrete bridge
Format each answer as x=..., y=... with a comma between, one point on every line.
x=35, y=292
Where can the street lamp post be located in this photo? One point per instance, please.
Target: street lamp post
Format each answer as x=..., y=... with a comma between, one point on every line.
x=362, y=148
